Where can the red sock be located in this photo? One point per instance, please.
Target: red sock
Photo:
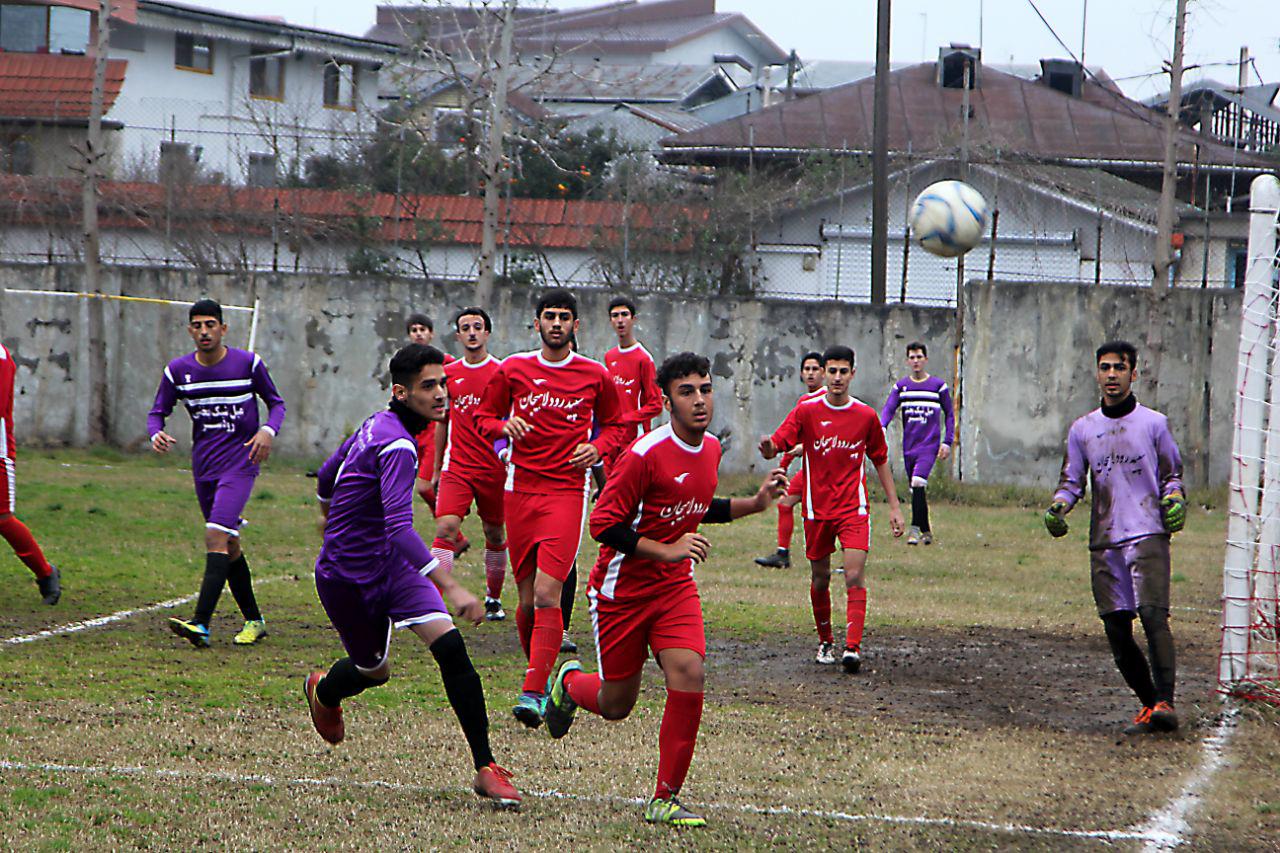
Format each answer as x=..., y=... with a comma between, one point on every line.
x=462, y=544
x=856, y=613
x=524, y=627
x=584, y=689
x=442, y=549
x=821, y=600
x=25, y=546
x=495, y=568
x=548, y=631
x=786, y=526
x=676, y=739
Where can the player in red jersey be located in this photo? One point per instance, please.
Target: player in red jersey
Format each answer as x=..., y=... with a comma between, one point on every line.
x=642, y=591
x=811, y=375
x=19, y=537
x=467, y=467
x=543, y=401
x=838, y=434
x=632, y=369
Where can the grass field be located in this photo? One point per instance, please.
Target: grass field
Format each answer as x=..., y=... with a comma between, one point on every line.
x=987, y=714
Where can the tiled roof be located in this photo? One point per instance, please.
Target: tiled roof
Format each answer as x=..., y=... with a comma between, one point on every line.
x=53, y=87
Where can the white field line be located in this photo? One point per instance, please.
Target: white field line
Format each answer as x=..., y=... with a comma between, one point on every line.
x=1170, y=826
x=775, y=811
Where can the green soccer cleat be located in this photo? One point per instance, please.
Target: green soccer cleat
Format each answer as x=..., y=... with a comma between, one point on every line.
x=530, y=709
x=670, y=812
x=195, y=633
x=560, y=706
x=253, y=631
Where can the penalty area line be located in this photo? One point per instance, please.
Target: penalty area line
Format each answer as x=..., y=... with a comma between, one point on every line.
x=1105, y=835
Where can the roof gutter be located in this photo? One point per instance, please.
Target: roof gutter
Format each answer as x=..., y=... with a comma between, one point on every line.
x=266, y=27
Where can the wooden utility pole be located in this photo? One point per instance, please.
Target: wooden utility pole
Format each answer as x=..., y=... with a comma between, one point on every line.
x=494, y=147
x=1169, y=185
x=93, y=152
x=880, y=160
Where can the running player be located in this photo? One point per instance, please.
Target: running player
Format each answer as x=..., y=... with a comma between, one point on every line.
x=811, y=375
x=469, y=469
x=642, y=592
x=374, y=572
x=633, y=370
x=925, y=402
x=421, y=330
x=24, y=545
x=1133, y=464
x=218, y=385
x=544, y=402
x=838, y=433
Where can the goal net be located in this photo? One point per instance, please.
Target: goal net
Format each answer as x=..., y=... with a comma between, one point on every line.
x=1249, y=665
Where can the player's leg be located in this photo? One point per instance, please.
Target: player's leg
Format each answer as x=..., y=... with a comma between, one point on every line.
x=855, y=566
x=568, y=593
x=522, y=545
x=819, y=545
x=19, y=537
x=1151, y=571
x=1113, y=593
x=495, y=568
x=919, y=470
x=913, y=529
x=240, y=582
x=219, y=526
x=781, y=558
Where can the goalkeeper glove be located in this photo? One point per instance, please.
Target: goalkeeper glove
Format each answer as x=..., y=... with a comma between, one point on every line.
x=1174, y=511
x=1055, y=520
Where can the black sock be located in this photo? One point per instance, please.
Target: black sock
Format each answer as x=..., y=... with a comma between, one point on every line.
x=242, y=588
x=919, y=509
x=344, y=681
x=466, y=695
x=1129, y=658
x=216, y=567
x=568, y=593
x=1155, y=624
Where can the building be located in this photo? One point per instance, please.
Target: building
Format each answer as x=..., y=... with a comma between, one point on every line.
x=1244, y=117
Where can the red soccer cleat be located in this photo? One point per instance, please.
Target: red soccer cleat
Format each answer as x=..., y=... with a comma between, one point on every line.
x=1163, y=717
x=494, y=783
x=328, y=721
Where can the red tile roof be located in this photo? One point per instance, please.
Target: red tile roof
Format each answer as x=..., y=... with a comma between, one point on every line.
x=53, y=87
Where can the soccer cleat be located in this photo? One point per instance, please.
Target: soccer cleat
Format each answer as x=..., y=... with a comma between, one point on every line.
x=460, y=547
x=197, y=634
x=529, y=709
x=493, y=611
x=1141, y=724
x=560, y=705
x=670, y=812
x=851, y=660
x=567, y=645
x=494, y=783
x=913, y=535
x=779, y=559
x=253, y=631
x=926, y=537
x=826, y=654
x=51, y=586
x=1163, y=717
x=328, y=721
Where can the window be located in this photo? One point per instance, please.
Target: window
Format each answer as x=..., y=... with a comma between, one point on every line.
x=127, y=37
x=266, y=72
x=17, y=157
x=178, y=162
x=1237, y=263
x=193, y=53
x=340, y=85
x=68, y=30
x=24, y=28
x=262, y=170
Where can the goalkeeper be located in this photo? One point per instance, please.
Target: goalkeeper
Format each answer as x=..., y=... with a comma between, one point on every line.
x=1136, y=473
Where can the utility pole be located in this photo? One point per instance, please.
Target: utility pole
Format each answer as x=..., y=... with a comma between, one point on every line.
x=880, y=159
x=99, y=426
x=493, y=156
x=1169, y=185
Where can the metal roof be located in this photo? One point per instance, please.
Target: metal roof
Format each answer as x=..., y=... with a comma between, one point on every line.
x=609, y=82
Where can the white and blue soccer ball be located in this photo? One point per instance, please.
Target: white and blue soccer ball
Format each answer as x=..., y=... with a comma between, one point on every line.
x=948, y=218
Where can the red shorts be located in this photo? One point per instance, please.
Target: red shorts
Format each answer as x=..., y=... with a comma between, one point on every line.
x=820, y=535
x=795, y=487
x=7, y=485
x=456, y=491
x=544, y=532
x=626, y=630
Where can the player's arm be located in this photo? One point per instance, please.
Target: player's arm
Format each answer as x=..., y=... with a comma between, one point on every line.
x=784, y=437
x=1071, y=482
x=166, y=397
x=327, y=475
x=890, y=406
x=1173, y=503
x=441, y=439
x=260, y=444
x=724, y=510
x=615, y=432
x=949, y=418
x=493, y=415
x=878, y=453
x=650, y=396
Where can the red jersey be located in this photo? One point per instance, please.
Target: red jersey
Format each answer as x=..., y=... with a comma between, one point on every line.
x=787, y=458
x=426, y=441
x=466, y=451
x=635, y=376
x=558, y=399
x=8, y=447
x=662, y=488
x=836, y=441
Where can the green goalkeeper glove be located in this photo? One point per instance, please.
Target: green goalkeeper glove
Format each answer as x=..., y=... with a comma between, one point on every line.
x=1055, y=520
x=1174, y=510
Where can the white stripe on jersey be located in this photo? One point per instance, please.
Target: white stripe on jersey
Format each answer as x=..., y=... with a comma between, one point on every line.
x=191, y=402
x=925, y=395
x=921, y=404
x=611, y=575
x=13, y=484
x=399, y=444
x=221, y=383
x=808, y=488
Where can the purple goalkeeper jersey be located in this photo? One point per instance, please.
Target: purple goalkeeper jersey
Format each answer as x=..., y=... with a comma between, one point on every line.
x=368, y=486
x=924, y=406
x=1132, y=462
x=224, y=413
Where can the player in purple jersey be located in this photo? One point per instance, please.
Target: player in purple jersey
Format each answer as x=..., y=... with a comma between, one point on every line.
x=374, y=571
x=926, y=406
x=219, y=386
x=1135, y=471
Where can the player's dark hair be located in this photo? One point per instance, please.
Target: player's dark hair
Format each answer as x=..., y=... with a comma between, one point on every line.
x=205, y=308
x=478, y=312
x=916, y=345
x=1122, y=348
x=418, y=319
x=409, y=361
x=811, y=354
x=557, y=297
x=622, y=302
x=838, y=352
x=680, y=365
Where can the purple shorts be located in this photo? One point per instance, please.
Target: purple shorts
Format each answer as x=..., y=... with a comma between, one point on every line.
x=222, y=499
x=919, y=462
x=1127, y=576
x=364, y=613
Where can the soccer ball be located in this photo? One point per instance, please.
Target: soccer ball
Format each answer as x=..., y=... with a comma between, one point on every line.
x=948, y=218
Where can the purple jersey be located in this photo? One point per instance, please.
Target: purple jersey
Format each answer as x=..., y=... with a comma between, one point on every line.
x=924, y=405
x=1132, y=462
x=224, y=413
x=368, y=485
